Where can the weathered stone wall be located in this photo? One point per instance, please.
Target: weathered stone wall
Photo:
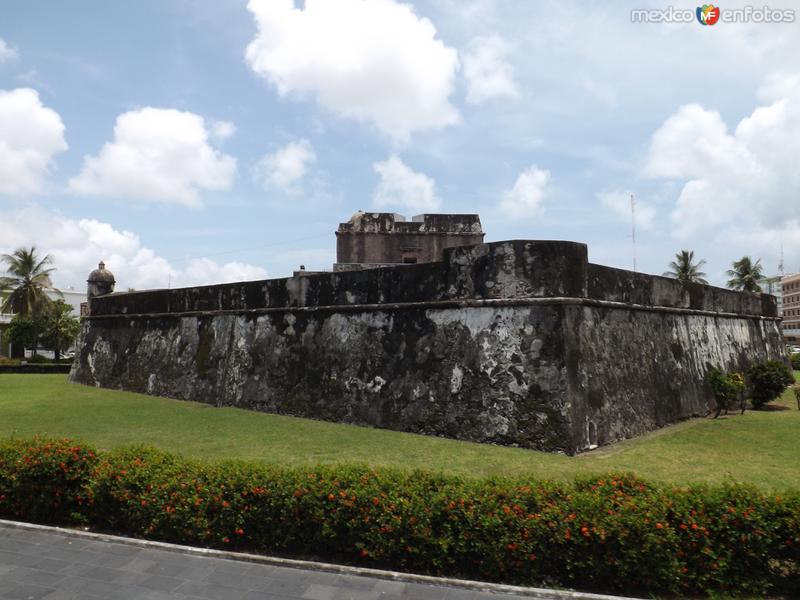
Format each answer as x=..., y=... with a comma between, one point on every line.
x=520, y=343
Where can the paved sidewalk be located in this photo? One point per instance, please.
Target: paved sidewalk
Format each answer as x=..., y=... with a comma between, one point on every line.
x=50, y=564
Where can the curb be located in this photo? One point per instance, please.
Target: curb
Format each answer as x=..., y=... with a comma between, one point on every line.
x=527, y=592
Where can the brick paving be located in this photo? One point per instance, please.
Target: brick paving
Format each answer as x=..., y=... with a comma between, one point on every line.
x=36, y=565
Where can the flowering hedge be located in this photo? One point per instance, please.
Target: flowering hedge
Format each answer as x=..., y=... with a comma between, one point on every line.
x=613, y=533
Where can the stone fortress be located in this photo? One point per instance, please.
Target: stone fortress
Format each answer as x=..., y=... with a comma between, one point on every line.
x=521, y=342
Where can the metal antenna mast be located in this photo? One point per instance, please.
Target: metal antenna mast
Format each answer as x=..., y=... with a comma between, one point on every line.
x=780, y=264
x=633, y=230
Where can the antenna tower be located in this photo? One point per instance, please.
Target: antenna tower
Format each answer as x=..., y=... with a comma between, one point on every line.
x=633, y=230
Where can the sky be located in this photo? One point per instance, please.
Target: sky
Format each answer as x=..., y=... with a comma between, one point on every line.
x=194, y=142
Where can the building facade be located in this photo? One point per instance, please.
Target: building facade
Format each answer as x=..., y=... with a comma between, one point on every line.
x=370, y=240
x=790, y=292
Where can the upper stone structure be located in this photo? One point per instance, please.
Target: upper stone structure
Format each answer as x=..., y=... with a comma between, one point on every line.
x=372, y=239
x=101, y=281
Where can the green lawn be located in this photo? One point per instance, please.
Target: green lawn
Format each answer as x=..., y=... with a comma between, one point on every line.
x=759, y=447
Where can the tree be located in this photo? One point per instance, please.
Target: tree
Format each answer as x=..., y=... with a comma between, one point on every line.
x=683, y=268
x=28, y=281
x=24, y=332
x=745, y=275
x=727, y=388
x=59, y=328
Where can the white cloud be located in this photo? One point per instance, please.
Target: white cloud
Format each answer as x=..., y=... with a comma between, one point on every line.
x=7, y=53
x=525, y=198
x=603, y=92
x=402, y=188
x=285, y=168
x=222, y=130
x=731, y=178
x=375, y=61
x=30, y=135
x=157, y=154
x=694, y=142
x=486, y=70
x=619, y=202
x=77, y=245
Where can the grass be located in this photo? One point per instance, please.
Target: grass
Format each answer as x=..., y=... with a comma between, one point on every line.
x=759, y=447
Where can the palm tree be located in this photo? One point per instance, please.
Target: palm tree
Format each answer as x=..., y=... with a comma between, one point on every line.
x=683, y=268
x=745, y=275
x=28, y=281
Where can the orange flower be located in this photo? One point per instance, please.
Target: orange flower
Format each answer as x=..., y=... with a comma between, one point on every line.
x=331, y=497
x=239, y=531
x=659, y=526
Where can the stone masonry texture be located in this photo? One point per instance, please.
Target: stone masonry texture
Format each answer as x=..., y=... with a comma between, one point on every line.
x=520, y=343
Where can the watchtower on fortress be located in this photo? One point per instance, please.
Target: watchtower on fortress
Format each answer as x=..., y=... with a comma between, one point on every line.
x=370, y=240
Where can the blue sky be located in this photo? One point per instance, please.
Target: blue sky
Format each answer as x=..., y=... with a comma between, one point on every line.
x=195, y=142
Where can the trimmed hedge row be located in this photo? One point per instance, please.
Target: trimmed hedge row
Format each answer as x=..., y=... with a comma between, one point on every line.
x=615, y=533
x=37, y=368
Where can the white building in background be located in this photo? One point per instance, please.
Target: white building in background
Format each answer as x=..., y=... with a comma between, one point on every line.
x=69, y=295
x=72, y=297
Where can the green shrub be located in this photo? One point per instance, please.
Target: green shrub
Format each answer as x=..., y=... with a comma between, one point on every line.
x=727, y=388
x=768, y=380
x=615, y=533
x=38, y=359
x=795, y=359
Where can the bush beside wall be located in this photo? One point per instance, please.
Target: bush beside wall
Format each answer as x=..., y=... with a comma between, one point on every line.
x=614, y=533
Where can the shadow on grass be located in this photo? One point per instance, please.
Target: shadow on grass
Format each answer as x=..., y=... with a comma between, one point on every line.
x=773, y=408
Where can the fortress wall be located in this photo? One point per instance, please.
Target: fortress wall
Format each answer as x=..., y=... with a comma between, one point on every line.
x=635, y=371
x=518, y=343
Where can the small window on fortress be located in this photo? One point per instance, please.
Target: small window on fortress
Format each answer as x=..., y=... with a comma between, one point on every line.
x=409, y=260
